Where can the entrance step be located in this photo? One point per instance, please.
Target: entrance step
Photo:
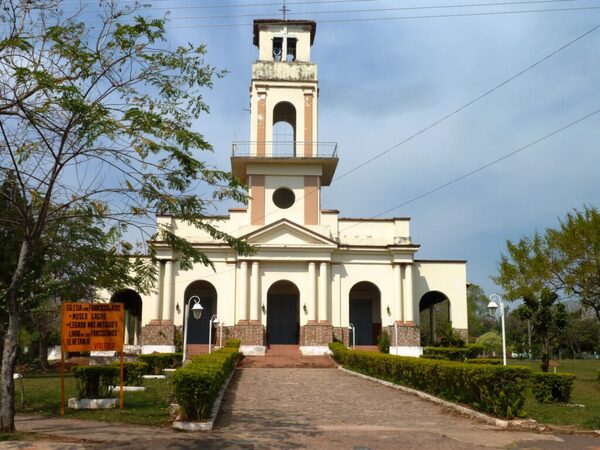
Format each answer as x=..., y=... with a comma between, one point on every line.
x=197, y=349
x=286, y=356
x=367, y=348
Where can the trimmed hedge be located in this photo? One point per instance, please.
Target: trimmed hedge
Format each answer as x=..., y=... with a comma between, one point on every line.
x=497, y=390
x=235, y=343
x=95, y=381
x=552, y=387
x=493, y=361
x=158, y=361
x=453, y=353
x=197, y=384
x=133, y=372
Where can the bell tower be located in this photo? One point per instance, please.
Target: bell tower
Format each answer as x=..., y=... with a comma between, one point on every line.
x=284, y=164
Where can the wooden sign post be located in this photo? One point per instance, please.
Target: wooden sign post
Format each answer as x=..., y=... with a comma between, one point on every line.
x=91, y=327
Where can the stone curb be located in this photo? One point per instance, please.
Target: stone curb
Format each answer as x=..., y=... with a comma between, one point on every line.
x=208, y=425
x=526, y=424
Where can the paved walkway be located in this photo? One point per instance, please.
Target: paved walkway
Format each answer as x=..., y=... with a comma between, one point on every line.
x=313, y=408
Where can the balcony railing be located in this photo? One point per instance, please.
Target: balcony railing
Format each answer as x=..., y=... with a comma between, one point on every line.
x=275, y=149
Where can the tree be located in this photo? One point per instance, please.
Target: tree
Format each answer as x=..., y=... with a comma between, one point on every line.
x=575, y=254
x=491, y=342
x=479, y=320
x=548, y=320
x=565, y=261
x=96, y=122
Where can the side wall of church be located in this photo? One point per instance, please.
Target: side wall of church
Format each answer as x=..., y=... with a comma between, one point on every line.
x=449, y=278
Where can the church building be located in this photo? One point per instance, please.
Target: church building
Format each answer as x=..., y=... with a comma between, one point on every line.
x=315, y=276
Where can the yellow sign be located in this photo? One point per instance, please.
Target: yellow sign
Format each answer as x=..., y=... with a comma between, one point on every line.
x=92, y=327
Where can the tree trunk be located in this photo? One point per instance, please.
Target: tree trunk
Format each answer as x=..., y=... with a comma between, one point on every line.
x=545, y=355
x=7, y=382
x=11, y=342
x=43, y=351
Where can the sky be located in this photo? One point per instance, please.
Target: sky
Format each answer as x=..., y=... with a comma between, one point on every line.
x=387, y=75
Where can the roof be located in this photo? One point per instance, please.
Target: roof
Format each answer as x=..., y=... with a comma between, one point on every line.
x=257, y=22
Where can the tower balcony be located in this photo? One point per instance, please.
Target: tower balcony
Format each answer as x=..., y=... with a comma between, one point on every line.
x=323, y=154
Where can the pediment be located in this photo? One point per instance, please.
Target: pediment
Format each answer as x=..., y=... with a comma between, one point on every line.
x=285, y=233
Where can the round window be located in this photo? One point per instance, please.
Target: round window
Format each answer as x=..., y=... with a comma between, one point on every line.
x=283, y=198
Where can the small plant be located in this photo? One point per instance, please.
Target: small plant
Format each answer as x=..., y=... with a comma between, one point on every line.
x=158, y=361
x=133, y=372
x=383, y=342
x=95, y=381
x=552, y=387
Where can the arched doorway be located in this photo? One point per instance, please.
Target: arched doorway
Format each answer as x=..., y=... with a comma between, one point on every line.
x=365, y=312
x=283, y=313
x=284, y=129
x=434, y=316
x=198, y=329
x=133, y=314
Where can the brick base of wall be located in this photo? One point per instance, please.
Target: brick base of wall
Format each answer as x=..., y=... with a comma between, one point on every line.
x=316, y=334
x=158, y=333
x=463, y=333
x=409, y=335
x=342, y=334
x=249, y=333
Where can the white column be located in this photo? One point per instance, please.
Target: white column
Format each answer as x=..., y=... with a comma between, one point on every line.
x=408, y=294
x=323, y=297
x=312, y=292
x=126, y=328
x=398, y=316
x=243, y=291
x=156, y=298
x=254, y=292
x=136, y=330
x=168, y=295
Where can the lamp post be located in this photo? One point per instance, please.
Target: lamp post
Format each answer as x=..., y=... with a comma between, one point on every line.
x=213, y=321
x=351, y=328
x=492, y=307
x=196, y=313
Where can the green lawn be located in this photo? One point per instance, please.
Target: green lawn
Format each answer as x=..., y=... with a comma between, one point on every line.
x=586, y=392
x=42, y=396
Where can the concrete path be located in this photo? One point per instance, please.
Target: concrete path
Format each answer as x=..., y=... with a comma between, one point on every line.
x=314, y=408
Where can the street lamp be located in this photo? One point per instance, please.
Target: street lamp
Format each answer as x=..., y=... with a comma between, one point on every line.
x=213, y=321
x=196, y=313
x=492, y=307
x=351, y=328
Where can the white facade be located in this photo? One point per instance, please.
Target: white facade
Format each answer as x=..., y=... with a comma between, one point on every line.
x=313, y=272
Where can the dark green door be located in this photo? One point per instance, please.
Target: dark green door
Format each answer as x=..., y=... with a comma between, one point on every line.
x=282, y=319
x=361, y=316
x=198, y=328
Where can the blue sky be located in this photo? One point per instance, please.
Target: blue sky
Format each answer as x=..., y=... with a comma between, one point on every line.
x=382, y=81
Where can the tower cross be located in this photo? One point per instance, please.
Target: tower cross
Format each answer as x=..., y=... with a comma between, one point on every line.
x=284, y=9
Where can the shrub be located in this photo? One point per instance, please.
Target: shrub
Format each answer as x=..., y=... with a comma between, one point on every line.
x=491, y=342
x=453, y=353
x=235, y=343
x=489, y=388
x=552, y=387
x=133, y=372
x=493, y=361
x=158, y=361
x=383, y=342
x=197, y=384
x=95, y=381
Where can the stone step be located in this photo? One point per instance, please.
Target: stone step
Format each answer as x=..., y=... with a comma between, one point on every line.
x=286, y=356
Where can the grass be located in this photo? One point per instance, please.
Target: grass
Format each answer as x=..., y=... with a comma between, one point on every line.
x=42, y=396
x=584, y=410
